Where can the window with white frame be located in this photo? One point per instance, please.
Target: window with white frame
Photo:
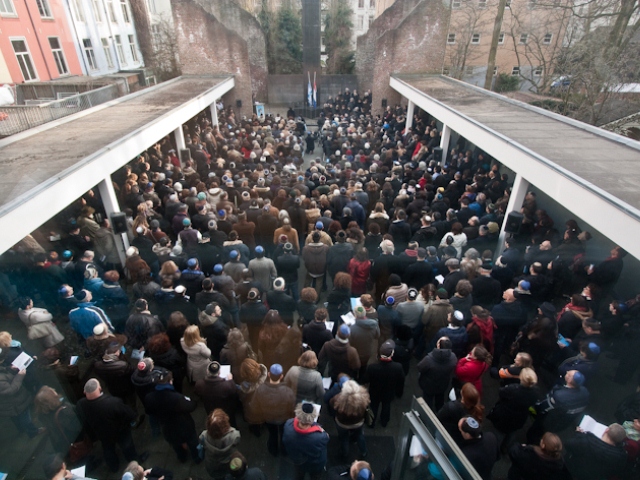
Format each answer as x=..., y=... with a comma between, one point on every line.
x=547, y=38
x=24, y=59
x=107, y=52
x=125, y=11
x=538, y=71
x=89, y=53
x=44, y=9
x=445, y=71
x=58, y=55
x=360, y=3
x=515, y=71
x=475, y=38
x=501, y=39
x=7, y=9
x=372, y=3
x=360, y=22
x=132, y=47
x=120, y=50
x=112, y=11
x=524, y=38
x=456, y=3
x=97, y=10
x=156, y=34
x=451, y=38
x=78, y=12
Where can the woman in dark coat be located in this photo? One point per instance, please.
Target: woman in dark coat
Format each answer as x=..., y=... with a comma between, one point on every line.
x=166, y=356
x=114, y=300
x=339, y=298
x=234, y=352
x=529, y=462
x=59, y=418
x=512, y=409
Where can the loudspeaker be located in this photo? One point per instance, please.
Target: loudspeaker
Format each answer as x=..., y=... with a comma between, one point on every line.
x=119, y=222
x=384, y=103
x=513, y=222
x=238, y=103
x=185, y=154
x=437, y=154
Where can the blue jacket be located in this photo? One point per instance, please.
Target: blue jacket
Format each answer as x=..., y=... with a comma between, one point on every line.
x=87, y=316
x=306, y=448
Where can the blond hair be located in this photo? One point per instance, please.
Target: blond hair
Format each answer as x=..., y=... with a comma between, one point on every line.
x=192, y=336
x=528, y=377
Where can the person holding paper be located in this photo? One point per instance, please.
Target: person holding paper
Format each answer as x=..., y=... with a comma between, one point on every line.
x=305, y=380
x=339, y=355
x=14, y=398
x=316, y=333
x=217, y=391
x=592, y=458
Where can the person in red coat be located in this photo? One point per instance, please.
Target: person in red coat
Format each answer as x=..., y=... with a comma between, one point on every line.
x=359, y=268
x=471, y=367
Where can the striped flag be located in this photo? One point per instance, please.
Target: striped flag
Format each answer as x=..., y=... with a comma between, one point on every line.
x=315, y=91
x=309, y=92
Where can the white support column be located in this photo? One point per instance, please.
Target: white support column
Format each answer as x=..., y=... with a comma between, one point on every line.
x=178, y=135
x=410, y=109
x=110, y=202
x=518, y=192
x=444, y=141
x=214, y=114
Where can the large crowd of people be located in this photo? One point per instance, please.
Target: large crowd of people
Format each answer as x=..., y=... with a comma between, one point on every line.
x=260, y=286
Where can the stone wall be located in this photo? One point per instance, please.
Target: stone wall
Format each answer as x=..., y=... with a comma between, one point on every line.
x=292, y=89
x=221, y=38
x=409, y=37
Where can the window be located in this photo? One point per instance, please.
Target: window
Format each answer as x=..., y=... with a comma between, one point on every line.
x=58, y=55
x=112, y=11
x=523, y=38
x=125, y=11
x=451, y=38
x=153, y=8
x=537, y=72
x=495, y=71
x=107, y=52
x=132, y=47
x=372, y=3
x=515, y=71
x=120, y=51
x=360, y=3
x=547, y=38
x=78, y=13
x=475, y=38
x=43, y=8
x=445, y=71
x=24, y=59
x=360, y=22
x=501, y=39
x=91, y=56
x=456, y=3
x=482, y=3
x=97, y=11
x=6, y=8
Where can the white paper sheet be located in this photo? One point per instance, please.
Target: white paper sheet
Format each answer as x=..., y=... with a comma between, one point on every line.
x=329, y=326
x=80, y=471
x=22, y=361
x=73, y=360
x=440, y=279
x=349, y=319
x=416, y=447
x=355, y=302
x=326, y=383
x=589, y=424
x=225, y=370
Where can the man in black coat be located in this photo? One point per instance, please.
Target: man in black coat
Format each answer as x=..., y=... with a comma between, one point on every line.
x=279, y=300
x=453, y=277
x=436, y=370
x=487, y=291
x=480, y=448
x=606, y=274
x=592, y=458
x=109, y=420
x=287, y=266
x=173, y=411
x=420, y=272
x=252, y=313
x=115, y=370
x=218, y=392
x=339, y=255
x=509, y=315
x=386, y=381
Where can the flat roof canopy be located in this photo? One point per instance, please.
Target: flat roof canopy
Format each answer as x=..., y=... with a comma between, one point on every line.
x=592, y=172
x=47, y=167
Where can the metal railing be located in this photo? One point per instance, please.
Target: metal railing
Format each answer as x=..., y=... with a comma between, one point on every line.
x=18, y=118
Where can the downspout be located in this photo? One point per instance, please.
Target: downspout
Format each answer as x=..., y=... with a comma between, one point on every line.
x=35, y=32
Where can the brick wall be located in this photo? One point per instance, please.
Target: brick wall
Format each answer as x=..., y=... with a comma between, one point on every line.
x=222, y=38
x=409, y=37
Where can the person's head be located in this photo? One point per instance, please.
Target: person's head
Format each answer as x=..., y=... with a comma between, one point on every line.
x=342, y=280
x=308, y=360
x=470, y=398
x=523, y=360
x=136, y=471
x=464, y=288
x=469, y=427
x=395, y=280
x=551, y=445
x=321, y=315
x=480, y=353
x=305, y=414
x=250, y=370
x=159, y=344
x=366, y=300
x=218, y=424
x=456, y=318
x=574, y=379
x=276, y=373
x=528, y=377
x=615, y=433
x=92, y=389
x=444, y=343
x=238, y=465
x=47, y=400
x=192, y=336
x=309, y=295
x=361, y=470
x=508, y=295
x=442, y=294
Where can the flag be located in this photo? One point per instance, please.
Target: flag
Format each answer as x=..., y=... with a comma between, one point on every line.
x=315, y=91
x=309, y=92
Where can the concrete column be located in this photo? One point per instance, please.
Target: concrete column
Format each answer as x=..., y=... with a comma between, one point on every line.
x=410, y=109
x=444, y=142
x=518, y=192
x=178, y=135
x=110, y=202
x=214, y=114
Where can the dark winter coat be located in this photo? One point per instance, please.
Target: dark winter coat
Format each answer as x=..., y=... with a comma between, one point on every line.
x=274, y=403
x=140, y=327
x=511, y=411
x=385, y=379
x=315, y=334
x=14, y=398
x=307, y=449
x=338, y=258
x=116, y=376
x=365, y=334
x=341, y=358
x=173, y=411
x=105, y=418
x=590, y=458
x=436, y=370
x=530, y=463
x=216, y=392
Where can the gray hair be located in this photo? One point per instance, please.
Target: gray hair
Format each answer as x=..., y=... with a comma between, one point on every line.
x=91, y=386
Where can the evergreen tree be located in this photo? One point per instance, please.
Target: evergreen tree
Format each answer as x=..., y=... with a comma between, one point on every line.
x=288, y=41
x=337, y=33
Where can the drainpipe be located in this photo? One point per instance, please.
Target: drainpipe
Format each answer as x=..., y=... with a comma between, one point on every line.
x=35, y=32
